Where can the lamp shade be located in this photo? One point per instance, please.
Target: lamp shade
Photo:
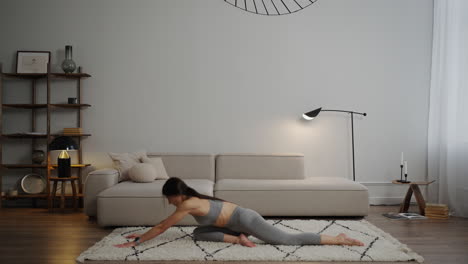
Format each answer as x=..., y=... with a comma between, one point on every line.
x=63, y=143
x=310, y=115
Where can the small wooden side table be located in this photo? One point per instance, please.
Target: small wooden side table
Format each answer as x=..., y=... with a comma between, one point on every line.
x=413, y=187
x=55, y=180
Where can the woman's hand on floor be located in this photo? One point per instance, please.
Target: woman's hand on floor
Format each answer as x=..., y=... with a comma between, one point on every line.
x=128, y=244
x=132, y=236
x=125, y=245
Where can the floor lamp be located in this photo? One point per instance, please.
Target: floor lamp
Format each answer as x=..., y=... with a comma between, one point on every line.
x=312, y=114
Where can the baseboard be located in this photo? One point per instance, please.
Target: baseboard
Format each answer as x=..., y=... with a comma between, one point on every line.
x=377, y=183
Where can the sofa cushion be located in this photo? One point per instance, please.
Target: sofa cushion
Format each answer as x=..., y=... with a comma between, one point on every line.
x=152, y=189
x=313, y=183
x=123, y=162
x=188, y=165
x=158, y=165
x=259, y=166
x=142, y=172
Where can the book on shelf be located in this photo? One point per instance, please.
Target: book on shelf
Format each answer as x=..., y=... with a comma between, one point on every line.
x=409, y=216
x=72, y=130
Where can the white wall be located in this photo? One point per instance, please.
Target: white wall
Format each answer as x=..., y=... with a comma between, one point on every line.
x=203, y=76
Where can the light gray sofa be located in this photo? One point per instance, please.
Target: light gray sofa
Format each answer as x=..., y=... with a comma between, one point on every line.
x=271, y=184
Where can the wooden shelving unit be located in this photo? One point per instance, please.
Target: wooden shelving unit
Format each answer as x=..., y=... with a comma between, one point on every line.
x=44, y=196
x=17, y=135
x=45, y=75
x=70, y=105
x=52, y=166
x=25, y=106
x=50, y=107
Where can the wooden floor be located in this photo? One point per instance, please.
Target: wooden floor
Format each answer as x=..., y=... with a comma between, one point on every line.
x=32, y=235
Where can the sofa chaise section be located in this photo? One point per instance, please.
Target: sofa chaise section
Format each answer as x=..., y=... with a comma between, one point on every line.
x=275, y=185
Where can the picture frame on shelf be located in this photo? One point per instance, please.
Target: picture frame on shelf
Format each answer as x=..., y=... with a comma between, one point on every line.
x=32, y=61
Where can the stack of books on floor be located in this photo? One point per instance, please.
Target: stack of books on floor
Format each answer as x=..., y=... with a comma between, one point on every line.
x=72, y=131
x=437, y=211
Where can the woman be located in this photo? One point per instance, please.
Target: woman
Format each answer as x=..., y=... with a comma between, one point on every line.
x=224, y=221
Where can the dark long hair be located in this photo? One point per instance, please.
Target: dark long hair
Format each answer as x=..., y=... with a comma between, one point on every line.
x=176, y=186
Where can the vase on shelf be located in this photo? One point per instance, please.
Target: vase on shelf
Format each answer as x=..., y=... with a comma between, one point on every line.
x=68, y=65
x=38, y=156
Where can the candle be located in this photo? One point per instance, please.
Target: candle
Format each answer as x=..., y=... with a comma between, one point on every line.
x=406, y=167
x=401, y=163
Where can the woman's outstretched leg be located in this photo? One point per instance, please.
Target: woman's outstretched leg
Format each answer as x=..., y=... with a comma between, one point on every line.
x=253, y=223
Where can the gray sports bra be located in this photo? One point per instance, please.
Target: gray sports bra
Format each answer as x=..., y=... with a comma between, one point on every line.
x=213, y=213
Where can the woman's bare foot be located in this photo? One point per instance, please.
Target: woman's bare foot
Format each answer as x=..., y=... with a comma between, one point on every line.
x=243, y=240
x=343, y=239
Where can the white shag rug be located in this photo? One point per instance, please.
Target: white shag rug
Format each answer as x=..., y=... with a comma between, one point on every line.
x=177, y=243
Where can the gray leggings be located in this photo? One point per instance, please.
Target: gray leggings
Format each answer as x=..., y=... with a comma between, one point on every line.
x=249, y=222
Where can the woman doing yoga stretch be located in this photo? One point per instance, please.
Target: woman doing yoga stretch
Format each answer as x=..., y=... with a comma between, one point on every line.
x=223, y=221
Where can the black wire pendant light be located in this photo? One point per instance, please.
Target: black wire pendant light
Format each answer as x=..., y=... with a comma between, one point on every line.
x=271, y=7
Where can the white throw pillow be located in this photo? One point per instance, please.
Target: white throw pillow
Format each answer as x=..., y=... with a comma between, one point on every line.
x=158, y=164
x=142, y=172
x=124, y=161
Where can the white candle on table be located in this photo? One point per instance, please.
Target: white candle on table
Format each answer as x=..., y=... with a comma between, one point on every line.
x=401, y=163
x=406, y=167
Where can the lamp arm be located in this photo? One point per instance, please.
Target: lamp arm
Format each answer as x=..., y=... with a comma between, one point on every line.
x=345, y=111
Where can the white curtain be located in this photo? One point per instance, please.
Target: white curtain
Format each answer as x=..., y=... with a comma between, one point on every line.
x=448, y=107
